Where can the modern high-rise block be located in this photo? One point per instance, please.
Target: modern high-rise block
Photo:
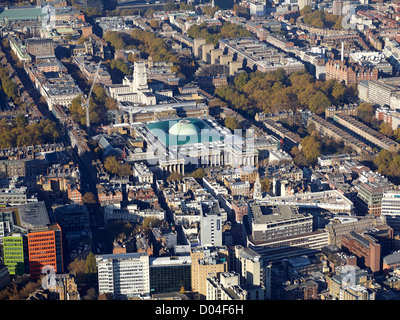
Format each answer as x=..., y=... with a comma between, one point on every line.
x=124, y=275
x=15, y=253
x=211, y=224
x=44, y=238
x=207, y=262
x=45, y=250
x=170, y=274
x=390, y=209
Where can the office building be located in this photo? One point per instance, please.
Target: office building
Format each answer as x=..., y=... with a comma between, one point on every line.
x=6, y=222
x=390, y=209
x=5, y=278
x=254, y=274
x=73, y=218
x=207, y=262
x=391, y=262
x=135, y=88
x=256, y=55
x=141, y=173
x=225, y=286
x=369, y=197
x=45, y=248
x=350, y=283
x=330, y=200
x=257, y=8
x=40, y=48
x=211, y=224
x=268, y=222
x=339, y=226
x=369, y=246
x=349, y=73
x=170, y=274
x=384, y=91
x=15, y=253
x=124, y=275
x=303, y=3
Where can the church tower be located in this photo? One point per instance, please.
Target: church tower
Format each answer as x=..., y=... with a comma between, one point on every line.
x=257, y=191
x=139, y=76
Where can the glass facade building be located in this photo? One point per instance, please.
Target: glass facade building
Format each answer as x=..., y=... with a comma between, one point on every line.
x=14, y=250
x=167, y=278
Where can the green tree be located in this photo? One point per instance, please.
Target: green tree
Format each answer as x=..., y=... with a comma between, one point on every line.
x=89, y=198
x=20, y=121
x=232, y=123
x=199, y=173
x=365, y=111
x=150, y=222
x=311, y=148
x=154, y=24
x=386, y=129
x=383, y=161
x=318, y=102
x=174, y=176
x=115, y=167
x=90, y=264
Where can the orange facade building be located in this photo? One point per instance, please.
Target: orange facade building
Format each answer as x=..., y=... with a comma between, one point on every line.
x=45, y=250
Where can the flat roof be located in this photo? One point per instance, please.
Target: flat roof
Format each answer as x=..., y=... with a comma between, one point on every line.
x=33, y=215
x=22, y=13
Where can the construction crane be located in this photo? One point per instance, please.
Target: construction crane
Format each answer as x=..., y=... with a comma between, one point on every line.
x=85, y=103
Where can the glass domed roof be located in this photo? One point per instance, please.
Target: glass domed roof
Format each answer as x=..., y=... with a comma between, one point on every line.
x=184, y=128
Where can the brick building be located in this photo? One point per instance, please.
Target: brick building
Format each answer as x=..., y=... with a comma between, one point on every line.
x=368, y=246
x=349, y=73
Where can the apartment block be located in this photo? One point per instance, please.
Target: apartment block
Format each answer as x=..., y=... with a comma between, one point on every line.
x=207, y=262
x=349, y=73
x=362, y=130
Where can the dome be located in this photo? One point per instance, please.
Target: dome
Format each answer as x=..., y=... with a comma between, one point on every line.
x=184, y=128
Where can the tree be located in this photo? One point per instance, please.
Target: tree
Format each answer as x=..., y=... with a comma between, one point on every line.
x=318, y=102
x=90, y=294
x=149, y=223
x=90, y=264
x=77, y=266
x=120, y=65
x=154, y=24
x=277, y=91
x=365, y=111
x=383, y=160
x=306, y=10
x=311, y=148
x=89, y=198
x=232, y=123
x=20, y=121
x=386, y=129
x=199, y=173
x=113, y=166
x=174, y=176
